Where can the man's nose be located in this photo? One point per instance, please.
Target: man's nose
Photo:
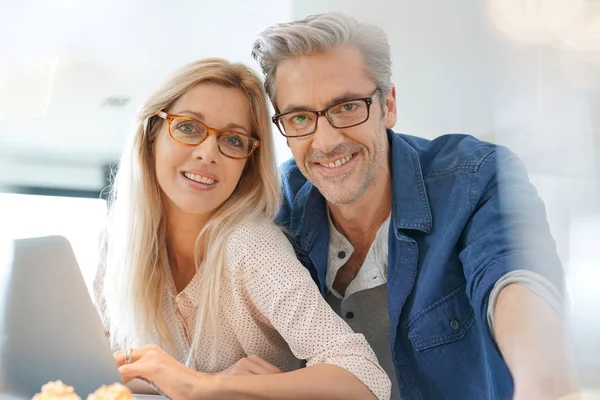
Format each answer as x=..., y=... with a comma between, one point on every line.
x=326, y=137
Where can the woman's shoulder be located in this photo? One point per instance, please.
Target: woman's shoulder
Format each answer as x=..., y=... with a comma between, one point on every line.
x=256, y=232
x=258, y=242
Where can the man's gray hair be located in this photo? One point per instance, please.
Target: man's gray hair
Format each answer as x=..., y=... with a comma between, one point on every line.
x=318, y=34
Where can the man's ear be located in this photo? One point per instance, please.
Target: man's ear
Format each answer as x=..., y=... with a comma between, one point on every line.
x=390, y=109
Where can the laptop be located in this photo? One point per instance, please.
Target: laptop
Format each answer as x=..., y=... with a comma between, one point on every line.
x=49, y=328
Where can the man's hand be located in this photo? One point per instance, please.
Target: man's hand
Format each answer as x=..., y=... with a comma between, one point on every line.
x=251, y=365
x=581, y=396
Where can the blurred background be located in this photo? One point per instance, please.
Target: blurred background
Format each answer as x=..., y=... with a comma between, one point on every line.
x=522, y=73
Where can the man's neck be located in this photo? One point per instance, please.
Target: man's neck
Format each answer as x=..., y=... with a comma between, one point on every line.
x=360, y=220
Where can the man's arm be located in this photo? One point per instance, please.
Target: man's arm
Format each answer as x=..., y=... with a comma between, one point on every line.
x=508, y=232
x=533, y=340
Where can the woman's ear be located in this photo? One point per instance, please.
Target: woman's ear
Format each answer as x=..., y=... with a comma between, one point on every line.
x=149, y=124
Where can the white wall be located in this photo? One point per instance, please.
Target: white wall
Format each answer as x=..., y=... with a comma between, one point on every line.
x=439, y=55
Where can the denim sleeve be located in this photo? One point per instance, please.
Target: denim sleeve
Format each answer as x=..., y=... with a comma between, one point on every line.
x=291, y=180
x=507, y=231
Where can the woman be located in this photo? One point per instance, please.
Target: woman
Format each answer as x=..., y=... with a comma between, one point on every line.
x=194, y=265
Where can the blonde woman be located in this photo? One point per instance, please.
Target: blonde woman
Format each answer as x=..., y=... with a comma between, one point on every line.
x=196, y=276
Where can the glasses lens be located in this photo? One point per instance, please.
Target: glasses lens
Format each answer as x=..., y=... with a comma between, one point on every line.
x=298, y=123
x=348, y=113
x=187, y=130
x=235, y=145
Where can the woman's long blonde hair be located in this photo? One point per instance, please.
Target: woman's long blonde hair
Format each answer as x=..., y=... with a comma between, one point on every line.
x=136, y=232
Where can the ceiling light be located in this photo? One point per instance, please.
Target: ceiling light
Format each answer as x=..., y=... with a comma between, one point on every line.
x=26, y=87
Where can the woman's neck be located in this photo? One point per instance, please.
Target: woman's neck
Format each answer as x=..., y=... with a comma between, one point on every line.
x=182, y=231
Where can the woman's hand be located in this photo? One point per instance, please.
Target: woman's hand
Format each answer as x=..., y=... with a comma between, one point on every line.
x=251, y=365
x=171, y=378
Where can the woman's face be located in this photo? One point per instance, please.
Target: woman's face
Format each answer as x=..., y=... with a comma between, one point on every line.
x=198, y=179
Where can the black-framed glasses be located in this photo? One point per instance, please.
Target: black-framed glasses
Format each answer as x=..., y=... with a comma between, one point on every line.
x=191, y=132
x=346, y=114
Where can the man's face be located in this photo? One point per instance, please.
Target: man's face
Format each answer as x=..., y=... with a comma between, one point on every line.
x=340, y=162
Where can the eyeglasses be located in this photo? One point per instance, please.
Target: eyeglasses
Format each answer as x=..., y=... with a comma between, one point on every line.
x=191, y=132
x=346, y=114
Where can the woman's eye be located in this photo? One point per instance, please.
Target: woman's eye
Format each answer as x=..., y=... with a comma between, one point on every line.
x=186, y=128
x=234, y=140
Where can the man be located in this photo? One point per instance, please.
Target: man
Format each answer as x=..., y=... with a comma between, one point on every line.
x=438, y=251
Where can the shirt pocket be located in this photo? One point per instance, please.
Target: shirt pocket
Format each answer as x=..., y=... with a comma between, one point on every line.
x=445, y=321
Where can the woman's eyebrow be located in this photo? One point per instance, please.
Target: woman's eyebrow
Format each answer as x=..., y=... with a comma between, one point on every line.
x=201, y=117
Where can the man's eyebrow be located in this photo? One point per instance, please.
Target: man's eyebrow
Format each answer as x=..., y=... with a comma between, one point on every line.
x=336, y=100
x=201, y=117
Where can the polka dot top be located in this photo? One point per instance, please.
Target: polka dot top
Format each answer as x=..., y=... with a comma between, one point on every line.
x=269, y=306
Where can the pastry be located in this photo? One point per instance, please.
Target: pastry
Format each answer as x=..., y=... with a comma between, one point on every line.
x=56, y=391
x=116, y=391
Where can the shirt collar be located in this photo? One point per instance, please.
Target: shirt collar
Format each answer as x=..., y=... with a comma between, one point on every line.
x=410, y=205
x=191, y=291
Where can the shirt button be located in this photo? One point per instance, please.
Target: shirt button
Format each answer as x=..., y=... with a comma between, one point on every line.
x=342, y=254
x=349, y=315
x=454, y=324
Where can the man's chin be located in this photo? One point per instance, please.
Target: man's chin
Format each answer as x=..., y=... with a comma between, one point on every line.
x=342, y=192
x=339, y=197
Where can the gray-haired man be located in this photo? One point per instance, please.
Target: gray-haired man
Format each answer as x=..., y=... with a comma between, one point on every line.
x=457, y=290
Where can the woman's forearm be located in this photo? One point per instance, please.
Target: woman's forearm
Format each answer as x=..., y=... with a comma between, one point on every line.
x=323, y=381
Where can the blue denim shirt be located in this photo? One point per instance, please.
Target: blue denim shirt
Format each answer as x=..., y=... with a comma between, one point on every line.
x=463, y=215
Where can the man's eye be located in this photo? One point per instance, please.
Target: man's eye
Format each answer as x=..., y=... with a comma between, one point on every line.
x=299, y=119
x=349, y=107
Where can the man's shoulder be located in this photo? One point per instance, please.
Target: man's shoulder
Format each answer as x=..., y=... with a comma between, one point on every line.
x=291, y=177
x=289, y=169
x=450, y=152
